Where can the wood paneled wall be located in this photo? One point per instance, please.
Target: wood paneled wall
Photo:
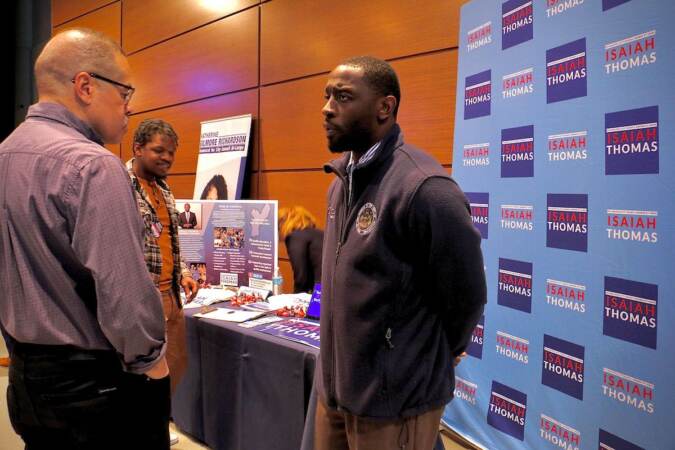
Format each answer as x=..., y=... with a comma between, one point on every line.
x=194, y=60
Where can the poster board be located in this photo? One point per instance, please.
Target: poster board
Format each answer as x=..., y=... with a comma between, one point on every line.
x=234, y=244
x=223, y=149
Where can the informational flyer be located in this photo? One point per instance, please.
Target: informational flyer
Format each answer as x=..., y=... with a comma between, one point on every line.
x=234, y=243
x=223, y=147
x=230, y=315
x=299, y=330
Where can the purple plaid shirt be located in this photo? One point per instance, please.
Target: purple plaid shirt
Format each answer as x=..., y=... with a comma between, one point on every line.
x=71, y=244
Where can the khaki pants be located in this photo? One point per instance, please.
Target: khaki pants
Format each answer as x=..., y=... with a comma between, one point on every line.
x=335, y=430
x=176, y=351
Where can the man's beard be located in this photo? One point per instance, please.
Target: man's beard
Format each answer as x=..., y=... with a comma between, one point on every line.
x=355, y=138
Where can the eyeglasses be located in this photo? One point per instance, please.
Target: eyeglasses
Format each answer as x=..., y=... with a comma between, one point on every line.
x=126, y=95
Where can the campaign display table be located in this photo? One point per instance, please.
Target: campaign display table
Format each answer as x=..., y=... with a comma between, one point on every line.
x=246, y=390
x=243, y=389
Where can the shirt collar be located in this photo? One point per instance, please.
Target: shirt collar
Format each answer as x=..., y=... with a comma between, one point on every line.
x=367, y=156
x=59, y=113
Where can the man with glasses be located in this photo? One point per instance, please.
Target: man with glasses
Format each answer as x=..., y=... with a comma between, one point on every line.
x=85, y=320
x=125, y=94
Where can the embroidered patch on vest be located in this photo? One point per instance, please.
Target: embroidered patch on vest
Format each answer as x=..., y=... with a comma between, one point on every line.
x=365, y=221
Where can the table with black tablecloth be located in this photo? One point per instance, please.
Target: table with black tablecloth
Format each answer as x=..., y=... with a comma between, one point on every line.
x=246, y=390
x=243, y=389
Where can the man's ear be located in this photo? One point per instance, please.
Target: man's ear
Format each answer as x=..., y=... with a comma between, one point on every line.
x=83, y=87
x=137, y=150
x=386, y=108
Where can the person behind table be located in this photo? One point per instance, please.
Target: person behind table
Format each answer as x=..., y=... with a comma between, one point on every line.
x=187, y=219
x=297, y=227
x=88, y=367
x=215, y=189
x=403, y=284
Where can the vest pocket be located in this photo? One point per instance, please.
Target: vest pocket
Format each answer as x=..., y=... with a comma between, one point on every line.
x=387, y=358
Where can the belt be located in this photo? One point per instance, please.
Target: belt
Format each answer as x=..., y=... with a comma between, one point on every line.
x=66, y=351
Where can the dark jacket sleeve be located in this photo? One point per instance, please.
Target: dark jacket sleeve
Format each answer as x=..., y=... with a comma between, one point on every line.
x=451, y=261
x=193, y=219
x=298, y=249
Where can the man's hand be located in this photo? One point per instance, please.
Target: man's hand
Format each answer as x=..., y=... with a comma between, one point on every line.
x=190, y=287
x=159, y=370
x=459, y=358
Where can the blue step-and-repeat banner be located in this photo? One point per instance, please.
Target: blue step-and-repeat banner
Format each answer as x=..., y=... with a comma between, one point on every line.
x=564, y=144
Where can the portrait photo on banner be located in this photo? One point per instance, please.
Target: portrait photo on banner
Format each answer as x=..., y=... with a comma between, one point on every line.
x=189, y=215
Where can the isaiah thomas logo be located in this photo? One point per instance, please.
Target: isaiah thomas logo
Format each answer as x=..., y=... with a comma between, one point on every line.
x=518, y=152
x=507, y=410
x=630, y=311
x=563, y=366
x=567, y=221
x=555, y=7
x=515, y=284
x=631, y=52
x=514, y=347
x=475, y=346
x=477, y=95
x=628, y=390
x=567, y=146
x=479, y=36
x=517, y=83
x=632, y=225
x=480, y=211
x=566, y=295
x=557, y=433
x=476, y=155
x=517, y=22
x=632, y=141
x=566, y=71
x=517, y=217
x=465, y=390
